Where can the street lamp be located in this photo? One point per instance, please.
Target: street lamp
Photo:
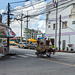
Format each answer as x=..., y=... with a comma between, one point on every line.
x=56, y=6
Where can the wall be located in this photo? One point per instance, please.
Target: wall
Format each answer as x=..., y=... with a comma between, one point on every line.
x=65, y=10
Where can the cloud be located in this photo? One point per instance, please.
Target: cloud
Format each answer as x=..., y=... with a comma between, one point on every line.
x=41, y=25
x=34, y=21
x=16, y=27
x=2, y=11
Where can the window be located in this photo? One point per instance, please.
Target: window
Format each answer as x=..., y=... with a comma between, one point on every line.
x=48, y=26
x=64, y=25
x=73, y=22
x=54, y=26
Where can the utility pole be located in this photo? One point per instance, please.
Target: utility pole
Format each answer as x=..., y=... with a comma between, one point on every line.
x=8, y=24
x=21, y=19
x=60, y=33
x=56, y=6
x=27, y=28
x=21, y=27
x=56, y=25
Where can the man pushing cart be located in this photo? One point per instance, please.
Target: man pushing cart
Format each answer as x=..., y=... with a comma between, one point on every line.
x=45, y=48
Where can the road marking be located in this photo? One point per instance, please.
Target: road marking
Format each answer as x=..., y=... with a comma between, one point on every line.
x=67, y=59
x=30, y=55
x=13, y=57
x=58, y=62
x=22, y=56
x=64, y=58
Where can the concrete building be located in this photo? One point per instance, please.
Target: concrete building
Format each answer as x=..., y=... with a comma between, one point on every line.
x=31, y=33
x=66, y=8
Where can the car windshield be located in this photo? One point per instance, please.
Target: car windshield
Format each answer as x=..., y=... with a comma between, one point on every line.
x=24, y=43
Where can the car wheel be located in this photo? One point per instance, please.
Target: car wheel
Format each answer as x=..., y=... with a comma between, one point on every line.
x=18, y=46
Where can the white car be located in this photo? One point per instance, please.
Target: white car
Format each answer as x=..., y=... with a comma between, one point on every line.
x=23, y=45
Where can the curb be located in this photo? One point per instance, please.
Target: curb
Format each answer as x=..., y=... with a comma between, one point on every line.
x=67, y=51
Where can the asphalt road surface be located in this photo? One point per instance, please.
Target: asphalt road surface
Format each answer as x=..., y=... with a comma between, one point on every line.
x=25, y=62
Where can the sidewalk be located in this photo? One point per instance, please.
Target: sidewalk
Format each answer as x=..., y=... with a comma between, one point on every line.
x=69, y=51
x=66, y=51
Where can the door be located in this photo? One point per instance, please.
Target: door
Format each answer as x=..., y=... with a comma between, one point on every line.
x=63, y=44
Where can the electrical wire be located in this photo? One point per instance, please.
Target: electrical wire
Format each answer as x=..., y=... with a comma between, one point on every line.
x=26, y=7
x=71, y=28
x=62, y=7
x=53, y=9
x=59, y=8
x=18, y=2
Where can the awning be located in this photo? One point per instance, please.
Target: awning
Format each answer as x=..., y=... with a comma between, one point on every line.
x=32, y=40
x=5, y=31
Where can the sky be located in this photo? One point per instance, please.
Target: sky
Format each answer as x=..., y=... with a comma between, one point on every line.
x=37, y=22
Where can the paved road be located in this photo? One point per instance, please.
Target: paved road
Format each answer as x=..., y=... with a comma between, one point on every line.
x=25, y=62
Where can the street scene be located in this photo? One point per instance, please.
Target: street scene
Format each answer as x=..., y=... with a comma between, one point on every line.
x=25, y=62
x=37, y=37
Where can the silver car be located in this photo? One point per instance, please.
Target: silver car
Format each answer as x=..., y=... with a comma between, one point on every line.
x=23, y=45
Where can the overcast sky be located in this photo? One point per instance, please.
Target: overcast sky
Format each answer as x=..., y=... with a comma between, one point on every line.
x=34, y=22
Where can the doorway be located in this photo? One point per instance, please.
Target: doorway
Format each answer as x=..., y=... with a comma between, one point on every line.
x=63, y=44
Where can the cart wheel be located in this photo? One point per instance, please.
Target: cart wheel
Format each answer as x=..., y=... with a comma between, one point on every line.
x=38, y=55
x=23, y=47
x=49, y=55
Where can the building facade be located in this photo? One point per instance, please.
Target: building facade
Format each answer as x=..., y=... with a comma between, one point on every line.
x=31, y=33
x=66, y=8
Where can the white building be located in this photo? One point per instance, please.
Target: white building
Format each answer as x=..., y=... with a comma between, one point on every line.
x=32, y=33
x=66, y=8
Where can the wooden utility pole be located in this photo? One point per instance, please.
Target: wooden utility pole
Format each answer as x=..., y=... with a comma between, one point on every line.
x=56, y=6
x=60, y=33
x=27, y=28
x=8, y=24
x=21, y=27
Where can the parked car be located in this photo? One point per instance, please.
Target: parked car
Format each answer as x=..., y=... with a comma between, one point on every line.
x=32, y=46
x=13, y=43
x=23, y=45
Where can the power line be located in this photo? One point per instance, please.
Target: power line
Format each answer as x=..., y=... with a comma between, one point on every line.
x=19, y=1
x=53, y=9
x=28, y=6
x=71, y=28
x=62, y=7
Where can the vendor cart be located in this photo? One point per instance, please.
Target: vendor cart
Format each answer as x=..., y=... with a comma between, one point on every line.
x=5, y=32
x=44, y=48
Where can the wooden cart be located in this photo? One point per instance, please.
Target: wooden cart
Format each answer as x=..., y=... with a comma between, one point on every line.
x=44, y=48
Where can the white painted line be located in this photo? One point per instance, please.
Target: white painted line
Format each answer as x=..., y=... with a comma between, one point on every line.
x=13, y=57
x=30, y=55
x=22, y=56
